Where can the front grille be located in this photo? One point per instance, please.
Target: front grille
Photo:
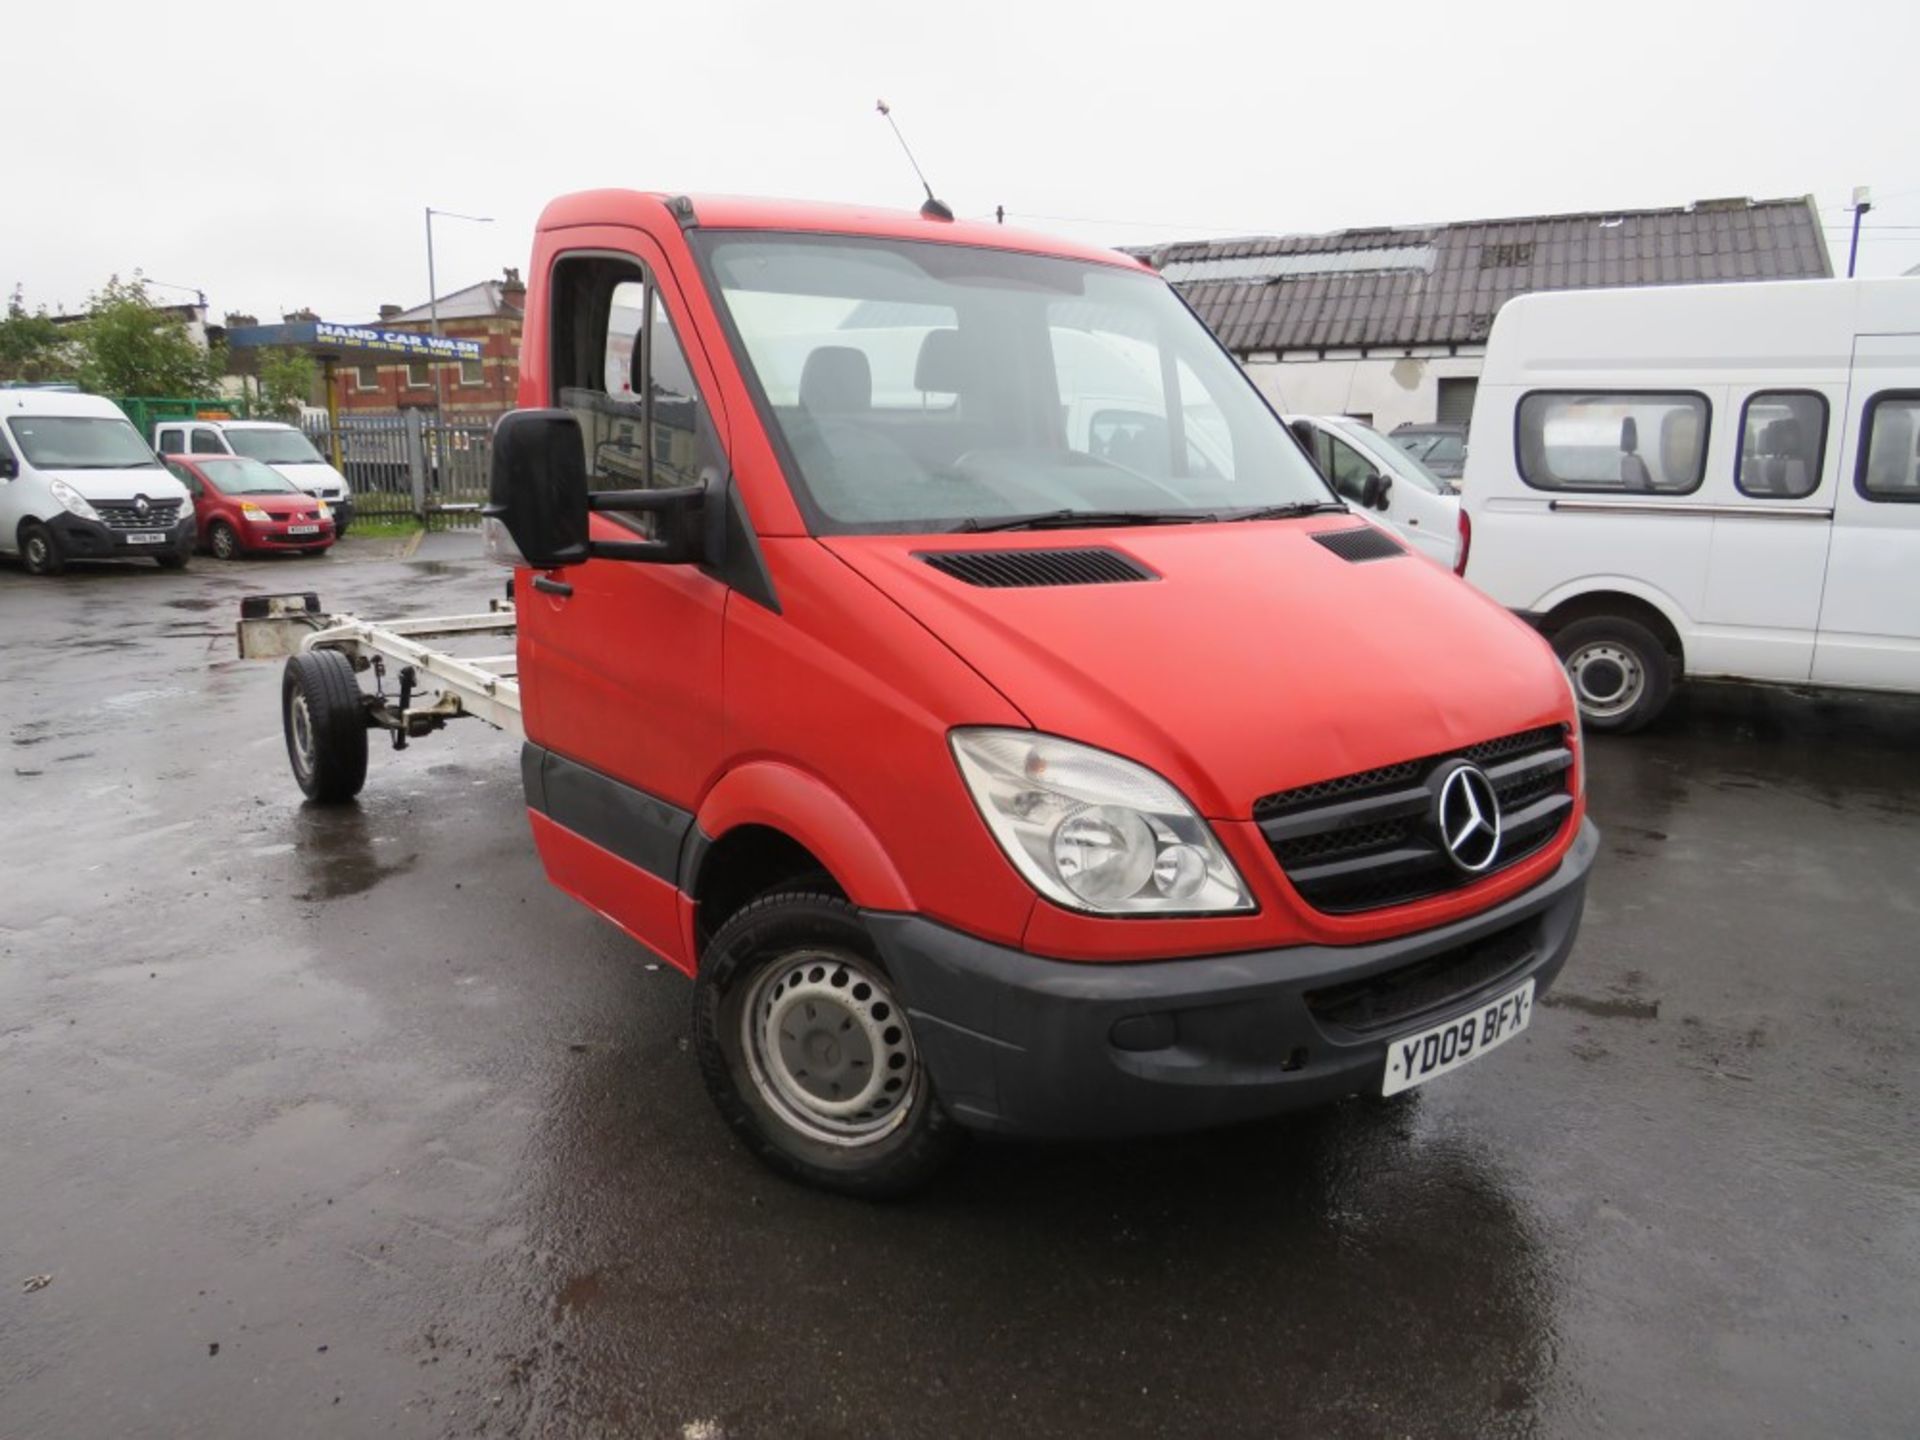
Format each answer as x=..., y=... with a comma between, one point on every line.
x=1391, y=999
x=1009, y=569
x=1362, y=841
x=160, y=515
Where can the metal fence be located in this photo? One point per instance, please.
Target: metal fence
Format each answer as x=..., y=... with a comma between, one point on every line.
x=408, y=464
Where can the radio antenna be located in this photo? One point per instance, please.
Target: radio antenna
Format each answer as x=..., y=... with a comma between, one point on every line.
x=934, y=209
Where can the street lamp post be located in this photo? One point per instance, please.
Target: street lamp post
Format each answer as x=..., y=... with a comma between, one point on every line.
x=433, y=305
x=1862, y=203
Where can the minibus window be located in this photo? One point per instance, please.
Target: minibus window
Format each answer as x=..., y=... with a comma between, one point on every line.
x=1613, y=442
x=1890, y=469
x=918, y=387
x=1783, y=442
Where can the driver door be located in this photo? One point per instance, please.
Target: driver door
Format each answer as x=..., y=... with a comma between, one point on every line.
x=623, y=697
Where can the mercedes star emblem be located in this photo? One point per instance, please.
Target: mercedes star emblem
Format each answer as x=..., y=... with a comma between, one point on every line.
x=1467, y=814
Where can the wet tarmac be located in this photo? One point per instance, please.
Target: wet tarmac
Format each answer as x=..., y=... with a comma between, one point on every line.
x=344, y=1123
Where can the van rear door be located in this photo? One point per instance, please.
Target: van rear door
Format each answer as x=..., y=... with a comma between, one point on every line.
x=1870, y=617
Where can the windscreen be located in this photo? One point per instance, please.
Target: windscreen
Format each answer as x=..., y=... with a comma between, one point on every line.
x=77, y=442
x=921, y=386
x=276, y=447
x=241, y=476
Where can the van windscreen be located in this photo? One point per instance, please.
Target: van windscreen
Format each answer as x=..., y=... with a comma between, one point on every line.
x=80, y=442
x=921, y=386
x=276, y=447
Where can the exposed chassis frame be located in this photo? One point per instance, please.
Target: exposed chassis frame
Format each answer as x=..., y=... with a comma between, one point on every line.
x=485, y=687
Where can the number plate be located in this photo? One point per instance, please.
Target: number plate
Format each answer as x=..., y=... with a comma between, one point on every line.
x=146, y=537
x=1415, y=1059
x=303, y=529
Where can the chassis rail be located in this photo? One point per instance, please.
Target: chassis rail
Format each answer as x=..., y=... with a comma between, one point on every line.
x=485, y=687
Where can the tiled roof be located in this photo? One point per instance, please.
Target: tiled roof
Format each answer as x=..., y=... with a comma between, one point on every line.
x=483, y=300
x=1442, y=284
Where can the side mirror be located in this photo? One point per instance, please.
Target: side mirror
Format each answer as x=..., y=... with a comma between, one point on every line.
x=1375, y=489
x=538, y=486
x=538, y=492
x=9, y=467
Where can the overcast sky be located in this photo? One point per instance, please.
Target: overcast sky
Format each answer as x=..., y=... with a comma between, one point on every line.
x=277, y=155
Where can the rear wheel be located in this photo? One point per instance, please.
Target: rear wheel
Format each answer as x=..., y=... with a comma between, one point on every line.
x=40, y=550
x=807, y=1051
x=1622, y=676
x=326, y=725
x=222, y=541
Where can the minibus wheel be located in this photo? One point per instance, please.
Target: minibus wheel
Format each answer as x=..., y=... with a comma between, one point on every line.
x=806, y=1049
x=326, y=725
x=1622, y=676
x=40, y=551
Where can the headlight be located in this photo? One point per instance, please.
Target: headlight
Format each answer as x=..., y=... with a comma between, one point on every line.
x=255, y=514
x=72, y=501
x=1579, y=730
x=1095, y=832
x=326, y=511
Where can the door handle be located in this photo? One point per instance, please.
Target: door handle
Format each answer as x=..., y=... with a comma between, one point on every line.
x=548, y=585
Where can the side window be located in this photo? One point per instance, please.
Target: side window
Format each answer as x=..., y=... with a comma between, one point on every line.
x=171, y=442
x=1613, y=442
x=1783, y=442
x=1346, y=467
x=186, y=477
x=6, y=450
x=366, y=377
x=472, y=372
x=208, y=442
x=619, y=367
x=1890, y=460
x=419, y=375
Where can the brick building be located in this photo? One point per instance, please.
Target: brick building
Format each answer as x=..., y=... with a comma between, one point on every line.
x=490, y=312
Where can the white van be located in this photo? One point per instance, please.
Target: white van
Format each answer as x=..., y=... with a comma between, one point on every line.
x=283, y=447
x=1714, y=480
x=78, y=483
x=1385, y=481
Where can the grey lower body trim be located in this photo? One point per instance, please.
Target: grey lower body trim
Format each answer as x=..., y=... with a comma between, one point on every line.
x=641, y=829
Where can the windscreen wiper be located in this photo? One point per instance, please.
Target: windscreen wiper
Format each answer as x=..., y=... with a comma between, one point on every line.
x=1084, y=520
x=1289, y=512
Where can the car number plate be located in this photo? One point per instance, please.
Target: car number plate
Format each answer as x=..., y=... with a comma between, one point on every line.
x=303, y=529
x=1415, y=1059
x=146, y=537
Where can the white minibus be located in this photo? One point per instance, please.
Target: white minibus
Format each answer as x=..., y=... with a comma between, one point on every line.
x=1704, y=481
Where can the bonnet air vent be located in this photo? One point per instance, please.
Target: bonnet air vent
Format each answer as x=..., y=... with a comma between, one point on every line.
x=1365, y=543
x=1005, y=569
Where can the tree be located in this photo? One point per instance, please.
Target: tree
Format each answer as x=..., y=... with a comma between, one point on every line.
x=286, y=382
x=128, y=346
x=32, y=347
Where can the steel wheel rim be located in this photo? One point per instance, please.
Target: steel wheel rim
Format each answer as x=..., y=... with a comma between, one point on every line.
x=1608, y=677
x=300, y=726
x=828, y=1049
x=36, y=552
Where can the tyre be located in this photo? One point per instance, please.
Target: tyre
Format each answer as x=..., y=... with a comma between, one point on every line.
x=222, y=541
x=326, y=725
x=807, y=1053
x=1622, y=675
x=40, y=550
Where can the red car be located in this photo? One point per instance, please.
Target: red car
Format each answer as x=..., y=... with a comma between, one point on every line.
x=241, y=505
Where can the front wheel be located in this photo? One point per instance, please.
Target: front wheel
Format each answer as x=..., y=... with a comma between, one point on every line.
x=807, y=1051
x=1622, y=676
x=40, y=550
x=223, y=542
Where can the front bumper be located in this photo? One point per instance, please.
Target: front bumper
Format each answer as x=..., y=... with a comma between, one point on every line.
x=81, y=539
x=1021, y=1045
x=255, y=536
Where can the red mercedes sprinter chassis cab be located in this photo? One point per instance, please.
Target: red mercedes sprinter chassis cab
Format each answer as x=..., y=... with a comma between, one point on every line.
x=929, y=639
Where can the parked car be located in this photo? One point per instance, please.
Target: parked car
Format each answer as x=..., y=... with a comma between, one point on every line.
x=281, y=446
x=78, y=483
x=1714, y=481
x=1385, y=481
x=242, y=506
x=1441, y=448
x=1040, y=790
